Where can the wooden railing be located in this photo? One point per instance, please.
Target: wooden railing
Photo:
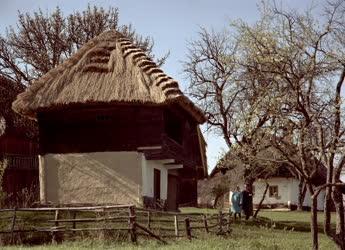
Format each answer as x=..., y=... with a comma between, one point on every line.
x=172, y=148
x=61, y=221
x=21, y=162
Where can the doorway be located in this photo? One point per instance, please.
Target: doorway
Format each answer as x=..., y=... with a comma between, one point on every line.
x=172, y=192
x=156, y=184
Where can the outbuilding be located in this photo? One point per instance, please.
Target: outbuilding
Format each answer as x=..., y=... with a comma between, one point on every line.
x=18, y=149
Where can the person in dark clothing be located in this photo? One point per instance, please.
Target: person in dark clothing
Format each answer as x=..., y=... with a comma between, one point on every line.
x=247, y=202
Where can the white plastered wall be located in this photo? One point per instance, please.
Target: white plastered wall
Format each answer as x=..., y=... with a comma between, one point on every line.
x=100, y=177
x=147, y=178
x=287, y=192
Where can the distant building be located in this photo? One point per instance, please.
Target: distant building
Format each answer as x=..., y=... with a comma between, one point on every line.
x=115, y=129
x=283, y=187
x=282, y=192
x=18, y=146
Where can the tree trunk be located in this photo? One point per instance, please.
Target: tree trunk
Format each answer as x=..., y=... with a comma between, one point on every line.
x=216, y=201
x=302, y=189
x=249, y=182
x=313, y=221
x=328, y=202
x=261, y=201
x=327, y=211
x=339, y=208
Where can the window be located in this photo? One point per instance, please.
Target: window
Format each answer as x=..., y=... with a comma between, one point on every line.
x=273, y=191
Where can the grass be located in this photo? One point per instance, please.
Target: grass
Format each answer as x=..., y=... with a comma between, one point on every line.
x=273, y=230
x=297, y=216
x=242, y=237
x=298, y=220
x=198, y=210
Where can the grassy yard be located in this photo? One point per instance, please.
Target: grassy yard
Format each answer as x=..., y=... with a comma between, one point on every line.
x=296, y=216
x=245, y=235
x=298, y=220
x=242, y=237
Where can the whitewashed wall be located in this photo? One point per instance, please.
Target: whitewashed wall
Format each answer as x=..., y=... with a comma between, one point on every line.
x=147, y=178
x=100, y=177
x=287, y=192
x=342, y=178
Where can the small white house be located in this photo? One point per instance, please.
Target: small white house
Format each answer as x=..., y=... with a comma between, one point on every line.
x=282, y=191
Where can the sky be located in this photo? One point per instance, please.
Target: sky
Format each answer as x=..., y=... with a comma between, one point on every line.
x=171, y=24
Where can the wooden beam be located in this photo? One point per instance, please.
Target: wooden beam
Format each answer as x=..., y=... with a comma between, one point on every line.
x=149, y=148
x=42, y=179
x=164, y=161
x=173, y=166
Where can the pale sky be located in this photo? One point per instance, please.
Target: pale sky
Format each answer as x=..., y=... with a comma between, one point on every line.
x=171, y=24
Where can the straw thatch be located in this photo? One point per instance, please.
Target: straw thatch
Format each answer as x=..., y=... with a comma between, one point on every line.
x=107, y=69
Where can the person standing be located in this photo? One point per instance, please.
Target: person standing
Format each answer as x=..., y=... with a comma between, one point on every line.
x=236, y=198
x=247, y=201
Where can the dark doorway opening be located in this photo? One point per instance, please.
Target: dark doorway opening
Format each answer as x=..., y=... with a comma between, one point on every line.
x=157, y=184
x=172, y=192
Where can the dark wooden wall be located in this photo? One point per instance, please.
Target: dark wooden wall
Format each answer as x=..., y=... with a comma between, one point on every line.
x=120, y=128
x=125, y=128
x=22, y=168
x=100, y=129
x=15, y=180
x=14, y=145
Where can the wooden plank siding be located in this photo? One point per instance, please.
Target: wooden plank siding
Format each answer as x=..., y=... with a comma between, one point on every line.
x=99, y=130
x=119, y=128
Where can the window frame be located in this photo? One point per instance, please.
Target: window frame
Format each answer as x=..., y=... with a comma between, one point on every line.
x=273, y=191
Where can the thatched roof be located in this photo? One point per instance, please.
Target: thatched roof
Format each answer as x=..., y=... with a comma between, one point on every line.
x=107, y=69
x=226, y=165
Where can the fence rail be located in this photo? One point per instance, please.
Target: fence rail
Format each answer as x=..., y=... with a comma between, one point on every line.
x=58, y=221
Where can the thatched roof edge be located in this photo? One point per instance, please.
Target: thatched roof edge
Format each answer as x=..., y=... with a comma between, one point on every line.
x=168, y=86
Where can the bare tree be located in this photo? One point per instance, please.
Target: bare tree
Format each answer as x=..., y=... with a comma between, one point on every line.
x=41, y=41
x=285, y=75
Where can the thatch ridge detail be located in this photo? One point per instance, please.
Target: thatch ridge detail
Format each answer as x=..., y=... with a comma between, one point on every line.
x=107, y=69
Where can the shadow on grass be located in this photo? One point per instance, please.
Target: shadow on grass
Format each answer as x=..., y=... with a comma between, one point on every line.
x=281, y=225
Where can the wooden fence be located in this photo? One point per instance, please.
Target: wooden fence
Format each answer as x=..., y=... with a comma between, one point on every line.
x=133, y=221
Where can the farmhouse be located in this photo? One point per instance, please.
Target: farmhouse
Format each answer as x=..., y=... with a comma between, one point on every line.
x=114, y=128
x=18, y=145
x=283, y=191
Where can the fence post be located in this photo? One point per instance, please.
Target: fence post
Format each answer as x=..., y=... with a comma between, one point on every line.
x=74, y=225
x=56, y=223
x=104, y=224
x=220, y=218
x=176, y=225
x=204, y=218
x=188, y=229
x=132, y=224
x=13, y=224
x=229, y=221
x=148, y=219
